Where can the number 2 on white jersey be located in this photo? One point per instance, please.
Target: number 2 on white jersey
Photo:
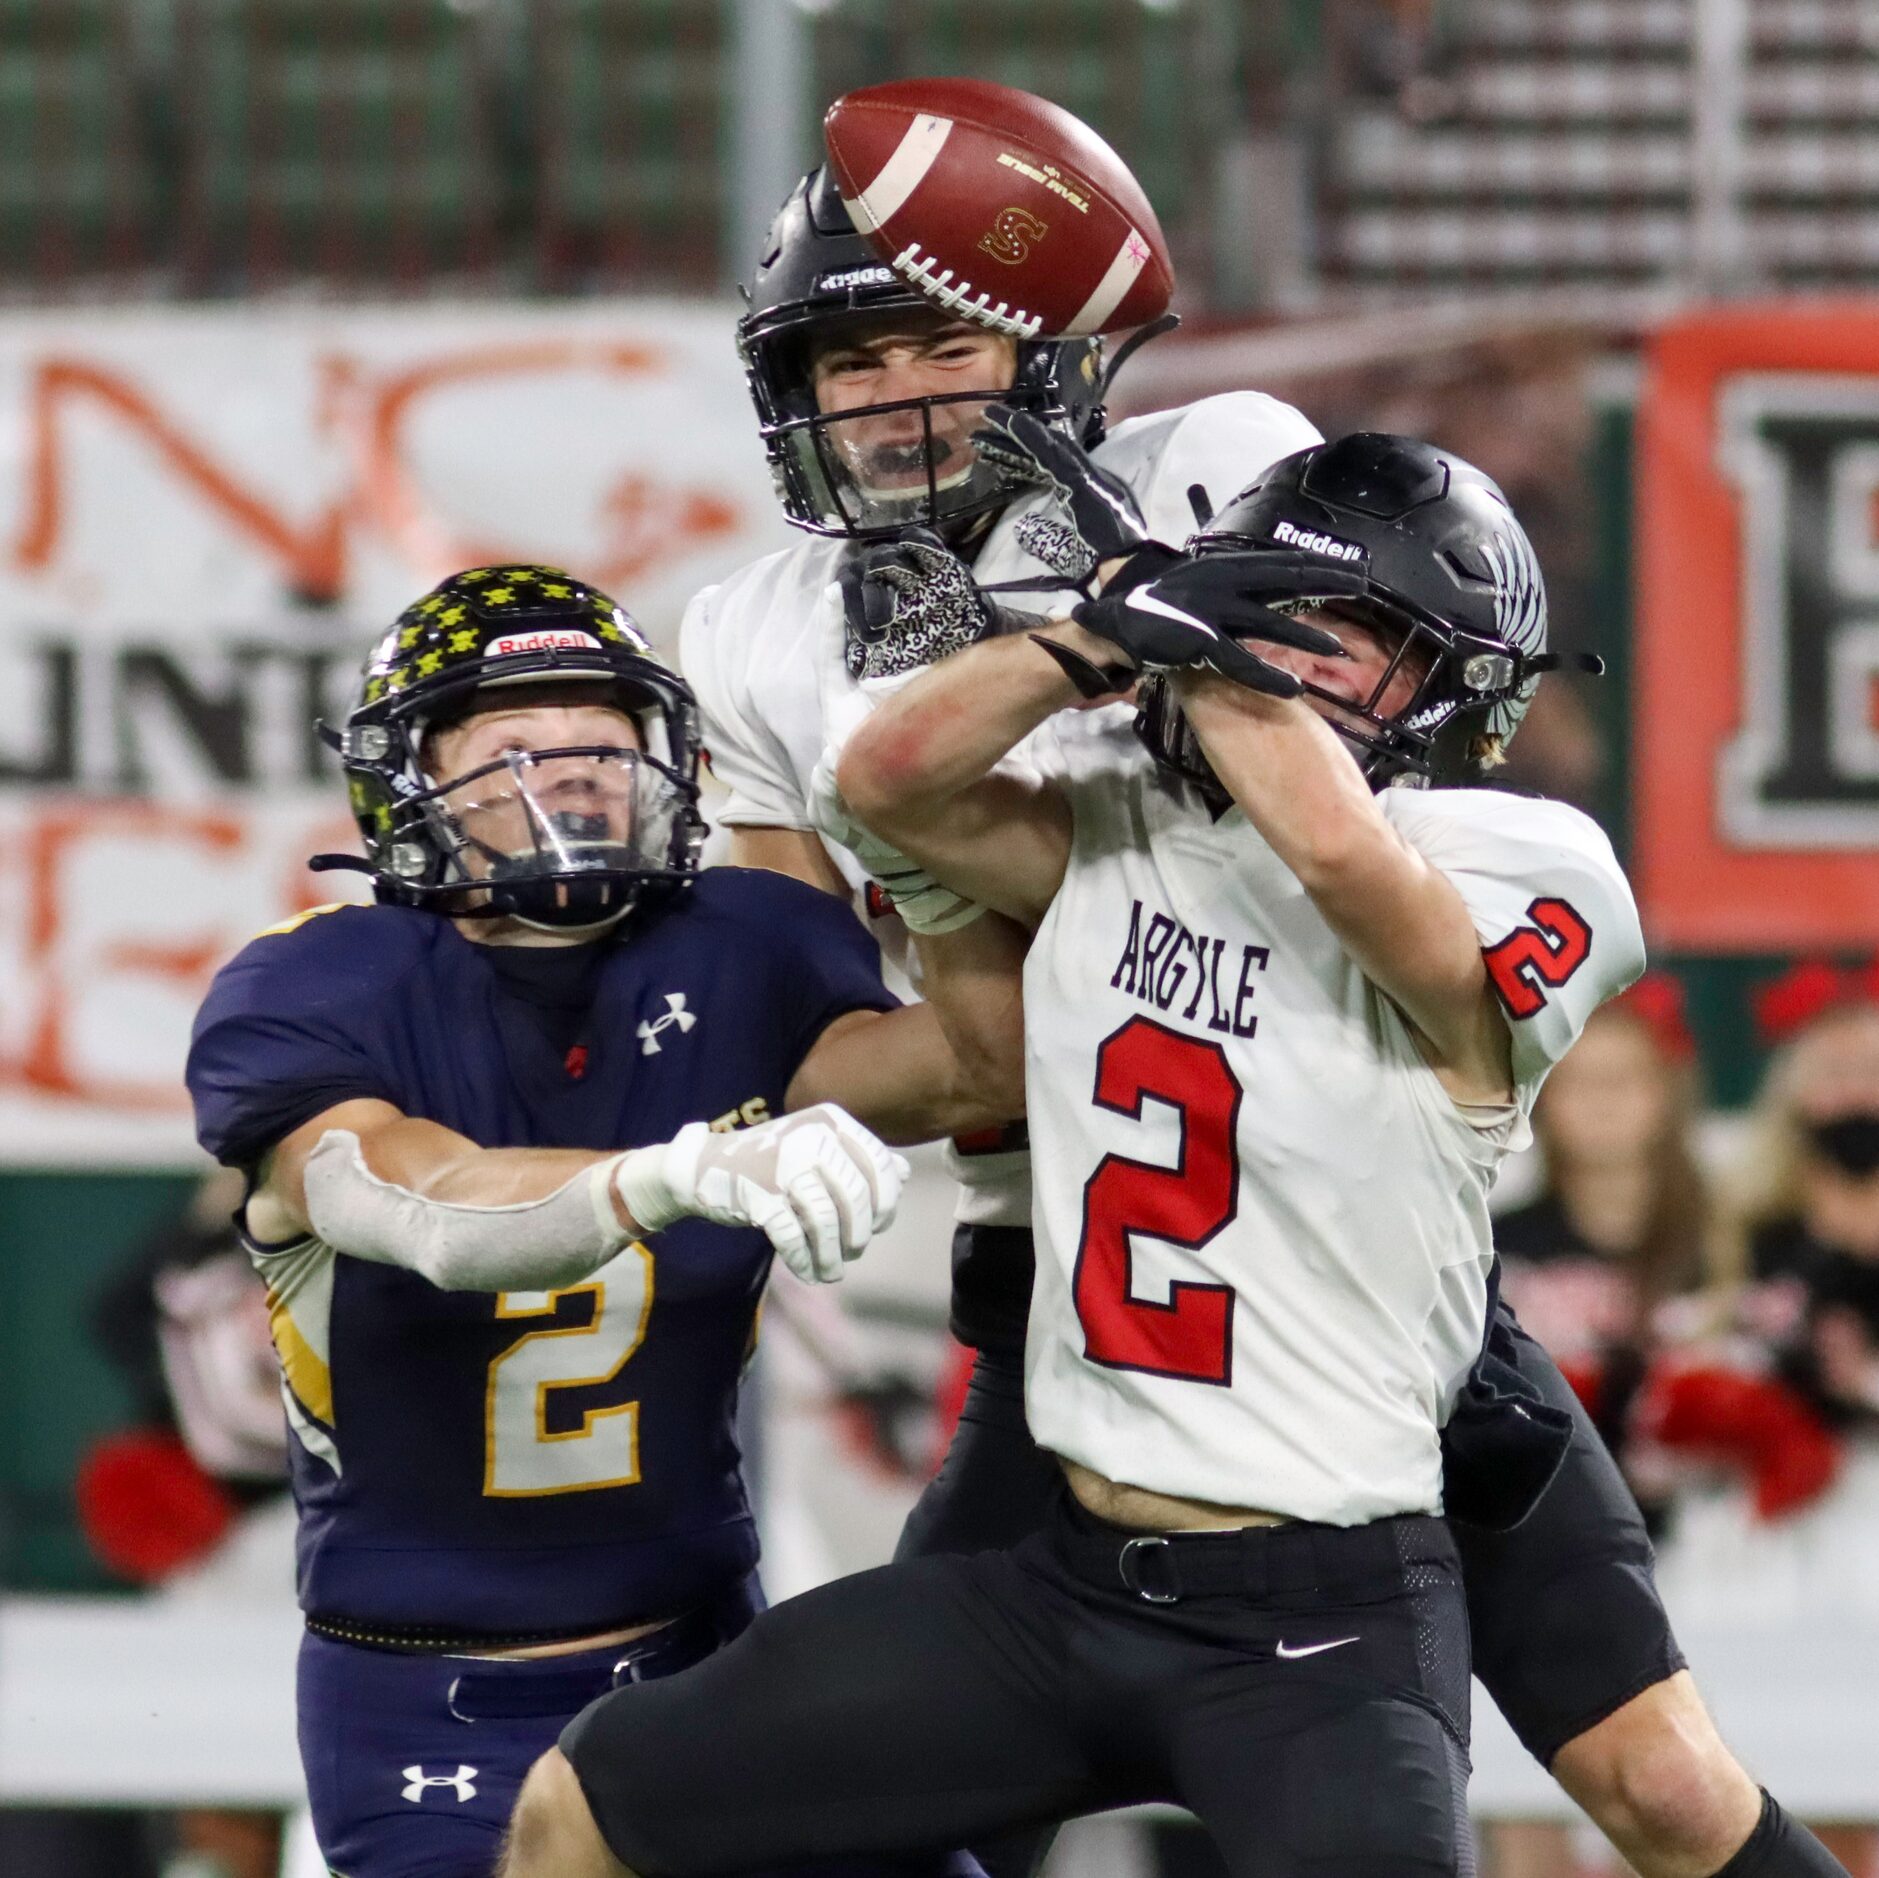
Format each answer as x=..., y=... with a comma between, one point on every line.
x=524, y=1452
x=1190, y=1338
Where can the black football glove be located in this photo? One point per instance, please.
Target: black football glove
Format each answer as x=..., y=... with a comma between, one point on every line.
x=1099, y=505
x=907, y=603
x=1197, y=611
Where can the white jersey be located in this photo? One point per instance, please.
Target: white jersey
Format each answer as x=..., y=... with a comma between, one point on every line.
x=1263, y=1244
x=756, y=649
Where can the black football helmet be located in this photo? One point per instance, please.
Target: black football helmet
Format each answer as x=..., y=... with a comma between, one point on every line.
x=563, y=839
x=1417, y=543
x=817, y=272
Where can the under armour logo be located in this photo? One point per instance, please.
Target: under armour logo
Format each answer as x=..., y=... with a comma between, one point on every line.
x=675, y=1013
x=462, y=1783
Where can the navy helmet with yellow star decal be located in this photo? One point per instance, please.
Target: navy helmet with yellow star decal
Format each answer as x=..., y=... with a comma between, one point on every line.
x=569, y=837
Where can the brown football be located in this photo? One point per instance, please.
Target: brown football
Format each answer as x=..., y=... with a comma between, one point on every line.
x=999, y=206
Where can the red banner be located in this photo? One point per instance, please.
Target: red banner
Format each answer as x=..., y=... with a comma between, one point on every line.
x=1757, y=656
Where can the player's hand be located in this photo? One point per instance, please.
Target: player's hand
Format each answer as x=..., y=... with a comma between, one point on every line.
x=907, y=603
x=1197, y=613
x=922, y=903
x=817, y=1184
x=1100, y=506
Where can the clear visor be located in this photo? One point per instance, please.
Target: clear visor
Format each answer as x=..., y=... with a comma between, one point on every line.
x=561, y=815
x=889, y=466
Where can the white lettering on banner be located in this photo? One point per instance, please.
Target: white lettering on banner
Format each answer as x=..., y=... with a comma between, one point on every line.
x=214, y=513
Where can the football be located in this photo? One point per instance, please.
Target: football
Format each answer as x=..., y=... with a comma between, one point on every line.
x=1000, y=206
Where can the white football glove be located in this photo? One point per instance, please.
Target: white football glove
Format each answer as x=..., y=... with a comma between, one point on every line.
x=817, y=1184
x=922, y=903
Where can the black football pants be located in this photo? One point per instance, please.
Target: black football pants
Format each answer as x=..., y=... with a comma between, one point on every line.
x=1567, y=1625
x=1301, y=1689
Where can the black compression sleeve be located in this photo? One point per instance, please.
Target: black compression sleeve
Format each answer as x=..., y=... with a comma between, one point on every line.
x=1781, y=1847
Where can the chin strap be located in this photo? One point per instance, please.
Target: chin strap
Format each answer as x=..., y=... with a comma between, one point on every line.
x=1131, y=346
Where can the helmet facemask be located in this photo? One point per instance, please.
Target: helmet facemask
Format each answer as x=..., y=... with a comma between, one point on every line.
x=563, y=839
x=1466, y=691
x=1402, y=741
x=876, y=471
x=815, y=274
x=868, y=486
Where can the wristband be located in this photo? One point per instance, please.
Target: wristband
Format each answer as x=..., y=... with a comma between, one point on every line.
x=644, y=1181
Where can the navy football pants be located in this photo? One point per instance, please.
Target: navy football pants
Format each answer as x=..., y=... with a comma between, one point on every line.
x=413, y=1762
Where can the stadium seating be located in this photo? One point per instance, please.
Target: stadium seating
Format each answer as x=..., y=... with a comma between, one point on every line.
x=1550, y=142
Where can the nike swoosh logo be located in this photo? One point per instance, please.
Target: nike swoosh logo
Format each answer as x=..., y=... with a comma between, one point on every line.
x=1289, y=1654
x=1142, y=601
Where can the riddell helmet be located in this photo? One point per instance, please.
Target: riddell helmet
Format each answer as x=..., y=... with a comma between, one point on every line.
x=562, y=839
x=1399, y=535
x=816, y=274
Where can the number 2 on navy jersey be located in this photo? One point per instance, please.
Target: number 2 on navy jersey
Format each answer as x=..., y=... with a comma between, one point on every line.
x=1191, y=1336
x=550, y=1425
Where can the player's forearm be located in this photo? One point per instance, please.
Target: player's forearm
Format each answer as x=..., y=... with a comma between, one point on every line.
x=974, y=982
x=994, y=835
x=1294, y=780
x=797, y=852
x=1398, y=916
x=437, y=1164
x=949, y=728
x=485, y=1220
x=396, y=1190
x=897, y=1073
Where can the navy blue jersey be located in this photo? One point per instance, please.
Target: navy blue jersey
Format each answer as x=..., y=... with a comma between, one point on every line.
x=528, y=1461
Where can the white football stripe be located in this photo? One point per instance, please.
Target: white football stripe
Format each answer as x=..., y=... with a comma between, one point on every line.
x=1130, y=259
x=901, y=174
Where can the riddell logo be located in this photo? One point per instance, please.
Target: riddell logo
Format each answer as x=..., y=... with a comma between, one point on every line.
x=856, y=277
x=1295, y=537
x=558, y=639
